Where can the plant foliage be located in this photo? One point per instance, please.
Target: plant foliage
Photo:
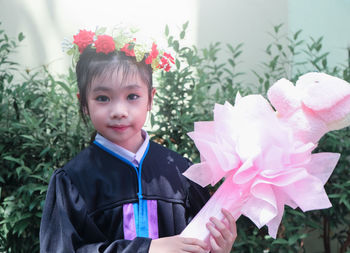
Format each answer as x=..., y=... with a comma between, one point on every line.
x=40, y=129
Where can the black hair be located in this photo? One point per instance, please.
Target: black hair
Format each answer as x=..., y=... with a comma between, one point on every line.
x=92, y=65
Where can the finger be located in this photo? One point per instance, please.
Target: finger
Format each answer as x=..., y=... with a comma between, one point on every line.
x=231, y=221
x=194, y=241
x=214, y=246
x=219, y=224
x=193, y=248
x=223, y=229
x=216, y=234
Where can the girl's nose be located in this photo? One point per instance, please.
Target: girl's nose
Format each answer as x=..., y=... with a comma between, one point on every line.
x=119, y=110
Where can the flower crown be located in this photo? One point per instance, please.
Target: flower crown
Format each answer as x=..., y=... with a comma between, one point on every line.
x=123, y=41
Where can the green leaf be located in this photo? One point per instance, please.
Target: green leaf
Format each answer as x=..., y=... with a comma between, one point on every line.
x=296, y=212
x=184, y=26
x=5, y=47
x=10, y=158
x=39, y=178
x=101, y=30
x=21, y=36
x=65, y=87
x=176, y=45
x=21, y=226
x=344, y=200
x=9, y=78
x=177, y=63
x=29, y=137
x=232, y=63
x=237, y=54
x=293, y=239
x=32, y=205
x=277, y=28
x=42, y=153
x=166, y=30
x=152, y=120
x=40, y=188
x=39, y=214
x=268, y=49
x=20, y=169
x=296, y=35
x=170, y=41
x=182, y=34
x=280, y=241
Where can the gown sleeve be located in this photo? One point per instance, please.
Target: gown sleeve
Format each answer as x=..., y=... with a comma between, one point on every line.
x=66, y=226
x=196, y=199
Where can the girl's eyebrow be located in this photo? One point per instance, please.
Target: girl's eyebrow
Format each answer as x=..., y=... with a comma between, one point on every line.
x=107, y=88
x=101, y=88
x=132, y=86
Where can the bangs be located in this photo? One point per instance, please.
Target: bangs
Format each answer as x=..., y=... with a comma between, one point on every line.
x=117, y=66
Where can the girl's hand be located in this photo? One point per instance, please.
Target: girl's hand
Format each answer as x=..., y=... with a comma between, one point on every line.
x=222, y=236
x=175, y=244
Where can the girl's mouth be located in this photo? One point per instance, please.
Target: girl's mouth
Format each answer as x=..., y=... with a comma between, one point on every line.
x=119, y=128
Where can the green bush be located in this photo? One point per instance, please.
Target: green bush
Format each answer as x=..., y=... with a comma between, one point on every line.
x=188, y=93
x=40, y=130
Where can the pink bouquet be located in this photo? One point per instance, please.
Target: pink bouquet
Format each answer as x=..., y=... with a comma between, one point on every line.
x=265, y=155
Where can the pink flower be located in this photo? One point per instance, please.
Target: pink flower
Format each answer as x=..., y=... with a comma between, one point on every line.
x=83, y=39
x=104, y=44
x=266, y=157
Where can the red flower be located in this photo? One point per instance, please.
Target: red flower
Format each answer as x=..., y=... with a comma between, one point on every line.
x=128, y=49
x=149, y=59
x=167, y=68
x=83, y=39
x=104, y=44
x=164, y=62
x=154, y=53
x=169, y=57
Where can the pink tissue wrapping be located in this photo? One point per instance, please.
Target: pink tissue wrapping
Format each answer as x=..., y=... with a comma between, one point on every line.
x=266, y=156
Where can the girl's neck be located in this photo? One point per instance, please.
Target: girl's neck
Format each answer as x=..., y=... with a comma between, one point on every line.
x=133, y=145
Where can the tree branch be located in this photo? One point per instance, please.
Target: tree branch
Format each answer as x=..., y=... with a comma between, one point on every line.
x=326, y=235
x=346, y=244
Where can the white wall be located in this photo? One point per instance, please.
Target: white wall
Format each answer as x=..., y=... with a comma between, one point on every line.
x=46, y=22
x=327, y=18
x=236, y=21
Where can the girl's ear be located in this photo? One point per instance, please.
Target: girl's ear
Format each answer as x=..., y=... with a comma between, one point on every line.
x=151, y=99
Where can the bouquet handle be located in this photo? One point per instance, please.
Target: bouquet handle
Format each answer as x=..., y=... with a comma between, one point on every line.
x=227, y=196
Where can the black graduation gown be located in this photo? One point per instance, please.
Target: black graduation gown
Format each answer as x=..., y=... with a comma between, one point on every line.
x=84, y=203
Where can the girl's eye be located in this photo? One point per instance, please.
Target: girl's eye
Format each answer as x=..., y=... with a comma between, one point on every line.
x=133, y=96
x=102, y=99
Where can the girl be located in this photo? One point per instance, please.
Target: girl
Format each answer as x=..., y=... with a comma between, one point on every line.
x=123, y=192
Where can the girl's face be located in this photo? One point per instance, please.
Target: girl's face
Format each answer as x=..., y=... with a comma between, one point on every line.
x=118, y=108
